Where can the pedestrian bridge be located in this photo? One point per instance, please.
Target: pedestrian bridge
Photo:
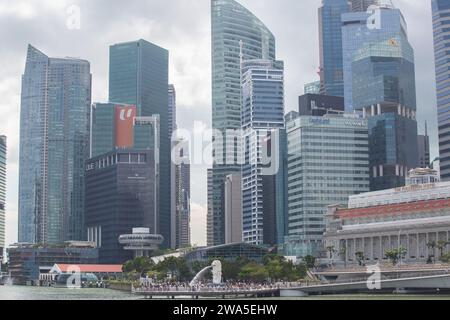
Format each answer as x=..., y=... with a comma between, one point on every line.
x=425, y=283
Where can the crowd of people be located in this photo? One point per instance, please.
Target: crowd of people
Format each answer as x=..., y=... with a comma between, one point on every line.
x=232, y=286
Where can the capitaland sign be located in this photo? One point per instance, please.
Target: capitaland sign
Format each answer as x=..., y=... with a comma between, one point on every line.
x=319, y=121
x=416, y=187
x=355, y=123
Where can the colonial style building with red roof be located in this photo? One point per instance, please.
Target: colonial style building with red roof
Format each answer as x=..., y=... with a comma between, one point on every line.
x=415, y=217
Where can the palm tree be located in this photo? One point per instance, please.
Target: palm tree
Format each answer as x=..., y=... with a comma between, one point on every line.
x=331, y=250
x=432, y=246
x=441, y=245
x=360, y=258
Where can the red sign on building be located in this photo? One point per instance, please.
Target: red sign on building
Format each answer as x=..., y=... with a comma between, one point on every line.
x=124, y=116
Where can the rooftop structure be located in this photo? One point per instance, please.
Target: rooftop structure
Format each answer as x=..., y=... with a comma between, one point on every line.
x=422, y=176
x=406, y=194
x=141, y=241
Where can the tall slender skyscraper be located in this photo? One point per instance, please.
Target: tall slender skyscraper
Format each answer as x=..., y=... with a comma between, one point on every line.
x=54, y=126
x=139, y=75
x=262, y=120
x=2, y=193
x=330, y=37
x=235, y=30
x=173, y=167
x=182, y=195
x=441, y=25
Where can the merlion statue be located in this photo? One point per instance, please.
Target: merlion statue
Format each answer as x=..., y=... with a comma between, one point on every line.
x=216, y=268
x=217, y=272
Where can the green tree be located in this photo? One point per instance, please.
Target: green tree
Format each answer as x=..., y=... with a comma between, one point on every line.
x=395, y=255
x=301, y=271
x=277, y=269
x=445, y=258
x=360, y=258
x=231, y=269
x=198, y=266
x=432, y=247
x=310, y=261
x=177, y=268
x=331, y=251
x=140, y=265
x=441, y=245
x=254, y=272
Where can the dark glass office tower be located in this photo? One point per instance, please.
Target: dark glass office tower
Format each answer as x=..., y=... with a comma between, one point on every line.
x=319, y=105
x=54, y=143
x=120, y=195
x=233, y=28
x=139, y=76
x=384, y=91
x=330, y=38
x=2, y=193
x=441, y=28
x=122, y=183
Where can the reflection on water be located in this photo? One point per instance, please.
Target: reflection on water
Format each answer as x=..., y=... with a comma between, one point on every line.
x=44, y=293
x=41, y=293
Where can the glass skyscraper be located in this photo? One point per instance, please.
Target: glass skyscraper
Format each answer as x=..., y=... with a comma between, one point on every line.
x=312, y=87
x=182, y=195
x=362, y=5
x=111, y=126
x=358, y=32
x=120, y=195
x=330, y=38
x=139, y=75
x=54, y=126
x=328, y=160
x=236, y=34
x=2, y=193
x=441, y=28
x=383, y=82
x=262, y=118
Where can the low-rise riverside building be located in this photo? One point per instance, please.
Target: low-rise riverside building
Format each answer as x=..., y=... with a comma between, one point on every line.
x=27, y=261
x=415, y=217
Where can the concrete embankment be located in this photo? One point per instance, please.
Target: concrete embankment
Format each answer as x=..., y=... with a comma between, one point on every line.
x=120, y=286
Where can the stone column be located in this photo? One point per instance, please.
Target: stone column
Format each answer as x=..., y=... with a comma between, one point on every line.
x=418, y=246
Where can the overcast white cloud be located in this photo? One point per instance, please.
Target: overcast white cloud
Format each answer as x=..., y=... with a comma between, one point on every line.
x=182, y=27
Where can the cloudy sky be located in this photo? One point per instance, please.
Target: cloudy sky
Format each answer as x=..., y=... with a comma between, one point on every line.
x=182, y=27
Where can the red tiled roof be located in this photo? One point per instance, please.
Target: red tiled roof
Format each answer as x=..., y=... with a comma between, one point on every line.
x=91, y=268
x=395, y=209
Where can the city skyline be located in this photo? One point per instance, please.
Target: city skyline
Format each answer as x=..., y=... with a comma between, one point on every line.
x=193, y=108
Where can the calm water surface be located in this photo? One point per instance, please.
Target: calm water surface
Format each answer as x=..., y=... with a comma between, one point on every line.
x=44, y=293
x=41, y=293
